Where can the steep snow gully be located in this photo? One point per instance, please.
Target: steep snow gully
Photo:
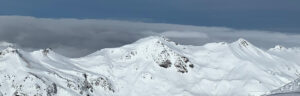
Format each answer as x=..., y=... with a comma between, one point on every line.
x=152, y=66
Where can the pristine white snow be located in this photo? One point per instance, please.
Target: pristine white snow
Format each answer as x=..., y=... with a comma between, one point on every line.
x=153, y=66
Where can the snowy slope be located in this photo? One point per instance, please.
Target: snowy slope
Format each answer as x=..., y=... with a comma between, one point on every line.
x=46, y=73
x=153, y=66
x=293, y=86
x=292, y=54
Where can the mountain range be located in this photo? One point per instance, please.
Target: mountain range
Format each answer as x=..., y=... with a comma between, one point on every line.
x=152, y=66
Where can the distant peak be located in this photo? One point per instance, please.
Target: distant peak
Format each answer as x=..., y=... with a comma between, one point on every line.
x=8, y=50
x=243, y=42
x=278, y=48
x=47, y=51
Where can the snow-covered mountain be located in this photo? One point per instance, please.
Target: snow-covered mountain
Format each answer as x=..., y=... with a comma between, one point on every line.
x=153, y=66
x=292, y=88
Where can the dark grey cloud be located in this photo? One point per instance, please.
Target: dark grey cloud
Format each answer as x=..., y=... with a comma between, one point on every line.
x=78, y=37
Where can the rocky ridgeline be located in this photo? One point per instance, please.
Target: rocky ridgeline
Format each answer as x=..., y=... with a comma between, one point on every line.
x=47, y=82
x=165, y=57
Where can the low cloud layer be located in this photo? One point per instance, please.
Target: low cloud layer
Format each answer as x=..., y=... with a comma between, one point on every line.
x=79, y=37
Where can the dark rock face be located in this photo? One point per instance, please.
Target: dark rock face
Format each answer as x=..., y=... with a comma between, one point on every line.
x=89, y=84
x=46, y=51
x=165, y=64
x=86, y=86
x=39, y=86
x=167, y=58
x=244, y=43
x=191, y=65
x=52, y=89
x=45, y=87
x=103, y=82
x=181, y=65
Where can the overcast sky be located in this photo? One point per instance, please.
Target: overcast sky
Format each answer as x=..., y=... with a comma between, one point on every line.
x=78, y=37
x=76, y=27
x=272, y=15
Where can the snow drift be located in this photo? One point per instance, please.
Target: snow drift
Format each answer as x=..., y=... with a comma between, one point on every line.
x=153, y=66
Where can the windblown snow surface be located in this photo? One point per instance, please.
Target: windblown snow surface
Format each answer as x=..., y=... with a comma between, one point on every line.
x=153, y=66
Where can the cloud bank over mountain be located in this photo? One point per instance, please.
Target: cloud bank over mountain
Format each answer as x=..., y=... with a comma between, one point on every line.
x=78, y=37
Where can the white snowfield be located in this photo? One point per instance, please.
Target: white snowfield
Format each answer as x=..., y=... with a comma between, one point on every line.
x=153, y=66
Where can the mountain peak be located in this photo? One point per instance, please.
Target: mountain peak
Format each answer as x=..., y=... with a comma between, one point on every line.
x=279, y=47
x=242, y=42
x=164, y=52
x=8, y=50
x=46, y=51
x=242, y=46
